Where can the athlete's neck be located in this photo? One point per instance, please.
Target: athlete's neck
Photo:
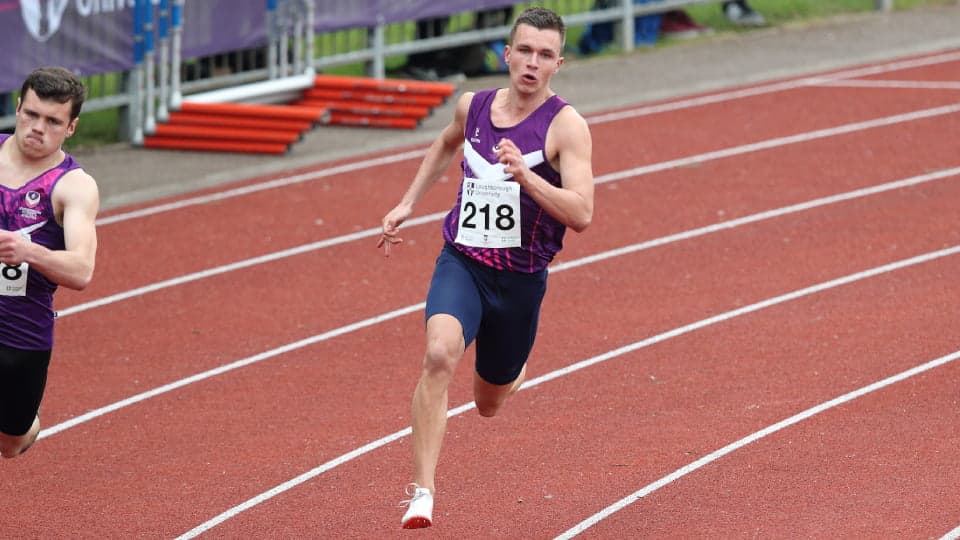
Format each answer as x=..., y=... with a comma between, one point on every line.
x=511, y=106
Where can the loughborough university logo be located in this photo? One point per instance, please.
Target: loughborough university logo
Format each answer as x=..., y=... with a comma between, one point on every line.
x=43, y=17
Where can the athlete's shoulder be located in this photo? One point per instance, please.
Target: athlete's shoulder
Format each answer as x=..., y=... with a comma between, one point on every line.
x=76, y=185
x=568, y=118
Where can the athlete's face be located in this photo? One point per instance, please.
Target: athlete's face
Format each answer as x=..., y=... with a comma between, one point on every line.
x=533, y=57
x=42, y=125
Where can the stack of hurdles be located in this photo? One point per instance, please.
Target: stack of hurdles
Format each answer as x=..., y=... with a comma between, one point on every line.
x=384, y=103
x=234, y=127
x=274, y=128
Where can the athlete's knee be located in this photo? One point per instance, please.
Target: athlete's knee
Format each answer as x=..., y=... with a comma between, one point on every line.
x=441, y=356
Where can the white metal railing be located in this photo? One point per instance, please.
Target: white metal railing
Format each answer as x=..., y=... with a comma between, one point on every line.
x=290, y=35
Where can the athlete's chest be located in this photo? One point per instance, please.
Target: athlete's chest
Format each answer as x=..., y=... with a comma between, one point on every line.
x=26, y=207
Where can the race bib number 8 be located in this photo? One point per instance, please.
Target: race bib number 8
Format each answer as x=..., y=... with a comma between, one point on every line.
x=489, y=214
x=13, y=279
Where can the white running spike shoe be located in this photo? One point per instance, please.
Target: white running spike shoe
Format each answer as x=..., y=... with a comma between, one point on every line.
x=420, y=507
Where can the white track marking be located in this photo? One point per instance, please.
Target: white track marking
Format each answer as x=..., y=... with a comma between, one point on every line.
x=262, y=186
x=753, y=218
x=770, y=88
x=710, y=458
x=913, y=85
x=593, y=119
x=628, y=173
x=726, y=225
x=239, y=265
x=312, y=340
x=790, y=139
x=952, y=535
x=723, y=317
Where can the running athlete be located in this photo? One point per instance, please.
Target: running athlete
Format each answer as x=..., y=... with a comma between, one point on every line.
x=527, y=176
x=48, y=207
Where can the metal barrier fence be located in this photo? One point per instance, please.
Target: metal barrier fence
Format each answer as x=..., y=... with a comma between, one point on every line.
x=163, y=78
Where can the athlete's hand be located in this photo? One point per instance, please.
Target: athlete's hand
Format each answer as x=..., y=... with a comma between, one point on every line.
x=391, y=228
x=12, y=248
x=510, y=155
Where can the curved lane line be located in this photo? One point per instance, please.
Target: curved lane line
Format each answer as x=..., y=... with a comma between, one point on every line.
x=592, y=119
x=693, y=233
x=723, y=317
x=783, y=424
x=628, y=173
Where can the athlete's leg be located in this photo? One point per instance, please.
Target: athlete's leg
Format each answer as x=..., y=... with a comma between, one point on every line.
x=12, y=446
x=505, y=339
x=491, y=397
x=445, y=347
x=453, y=311
x=23, y=378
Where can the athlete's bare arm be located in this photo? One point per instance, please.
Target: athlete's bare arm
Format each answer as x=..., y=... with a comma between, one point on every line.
x=76, y=202
x=438, y=158
x=569, y=149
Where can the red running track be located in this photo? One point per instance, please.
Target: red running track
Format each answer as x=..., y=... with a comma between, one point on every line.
x=704, y=364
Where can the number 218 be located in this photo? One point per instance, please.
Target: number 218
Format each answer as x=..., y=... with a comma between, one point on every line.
x=504, y=220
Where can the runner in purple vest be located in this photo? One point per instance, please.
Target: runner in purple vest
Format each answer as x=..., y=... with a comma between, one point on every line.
x=527, y=177
x=48, y=208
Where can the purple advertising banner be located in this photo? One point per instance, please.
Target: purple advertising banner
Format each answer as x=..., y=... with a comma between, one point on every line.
x=97, y=36
x=63, y=32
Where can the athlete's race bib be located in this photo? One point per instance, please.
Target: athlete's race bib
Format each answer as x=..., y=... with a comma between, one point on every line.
x=489, y=214
x=13, y=278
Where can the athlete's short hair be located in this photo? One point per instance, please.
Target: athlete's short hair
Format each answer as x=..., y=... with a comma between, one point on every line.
x=540, y=18
x=57, y=84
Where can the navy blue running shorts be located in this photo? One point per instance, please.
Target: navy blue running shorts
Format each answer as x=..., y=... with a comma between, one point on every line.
x=498, y=308
x=23, y=377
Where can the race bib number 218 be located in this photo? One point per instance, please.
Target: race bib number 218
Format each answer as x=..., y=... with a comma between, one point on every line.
x=489, y=214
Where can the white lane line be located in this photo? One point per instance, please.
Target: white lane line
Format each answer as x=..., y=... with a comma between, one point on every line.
x=294, y=482
x=593, y=119
x=726, y=225
x=783, y=424
x=132, y=400
x=952, y=535
x=262, y=186
x=913, y=85
x=753, y=218
x=239, y=265
x=620, y=175
x=790, y=139
x=773, y=87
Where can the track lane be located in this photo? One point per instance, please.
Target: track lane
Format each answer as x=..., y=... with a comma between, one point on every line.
x=690, y=395
x=225, y=415
x=212, y=460
x=197, y=313
x=876, y=464
x=263, y=222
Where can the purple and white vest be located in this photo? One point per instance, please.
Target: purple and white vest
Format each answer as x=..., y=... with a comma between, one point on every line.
x=26, y=321
x=541, y=233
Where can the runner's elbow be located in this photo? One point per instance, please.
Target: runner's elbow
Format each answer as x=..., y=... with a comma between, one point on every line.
x=80, y=281
x=581, y=224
